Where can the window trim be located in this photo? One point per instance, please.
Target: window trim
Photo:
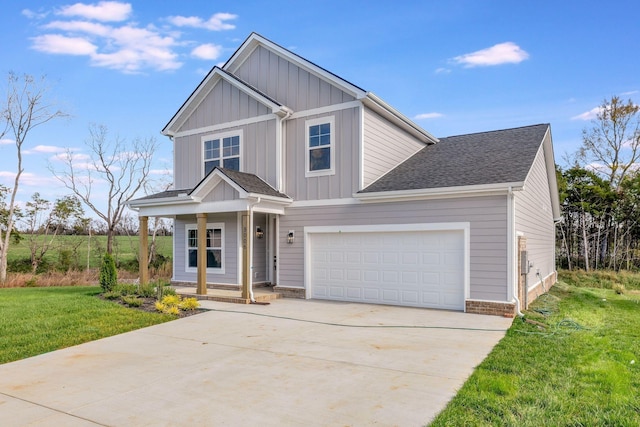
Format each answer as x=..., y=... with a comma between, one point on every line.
x=221, y=136
x=332, y=146
x=210, y=225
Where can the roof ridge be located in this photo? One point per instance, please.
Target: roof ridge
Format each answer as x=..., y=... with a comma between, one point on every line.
x=495, y=130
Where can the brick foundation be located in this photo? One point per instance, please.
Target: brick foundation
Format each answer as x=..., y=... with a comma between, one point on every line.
x=493, y=308
x=290, y=292
x=539, y=289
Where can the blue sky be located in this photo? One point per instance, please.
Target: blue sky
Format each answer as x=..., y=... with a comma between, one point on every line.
x=454, y=67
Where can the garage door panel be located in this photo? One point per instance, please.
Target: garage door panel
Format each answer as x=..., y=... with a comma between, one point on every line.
x=423, y=268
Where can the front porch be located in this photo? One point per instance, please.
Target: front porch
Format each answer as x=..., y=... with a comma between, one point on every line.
x=261, y=295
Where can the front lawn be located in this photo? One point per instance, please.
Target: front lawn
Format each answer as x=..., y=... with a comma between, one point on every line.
x=38, y=320
x=583, y=369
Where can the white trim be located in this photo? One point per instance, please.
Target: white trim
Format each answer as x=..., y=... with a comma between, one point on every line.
x=361, y=148
x=239, y=272
x=220, y=136
x=324, y=202
x=327, y=109
x=226, y=125
x=210, y=225
x=332, y=146
x=512, y=247
x=465, y=227
x=440, y=192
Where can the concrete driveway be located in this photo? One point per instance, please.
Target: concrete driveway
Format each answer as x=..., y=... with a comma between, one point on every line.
x=293, y=362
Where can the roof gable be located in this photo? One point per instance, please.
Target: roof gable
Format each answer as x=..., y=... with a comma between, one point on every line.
x=206, y=86
x=255, y=40
x=246, y=184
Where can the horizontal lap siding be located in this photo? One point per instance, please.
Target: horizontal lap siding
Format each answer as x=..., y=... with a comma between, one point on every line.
x=385, y=146
x=345, y=181
x=534, y=218
x=230, y=275
x=287, y=83
x=487, y=216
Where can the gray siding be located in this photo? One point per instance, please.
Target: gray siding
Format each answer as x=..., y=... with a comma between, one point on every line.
x=230, y=275
x=346, y=179
x=385, y=146
x=488, y=234
x=221, y=192
x=258, y=151
x=534, y=218
x=289, y=84
x=224, y=103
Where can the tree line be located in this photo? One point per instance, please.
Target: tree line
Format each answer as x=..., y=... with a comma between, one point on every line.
x=600, y=193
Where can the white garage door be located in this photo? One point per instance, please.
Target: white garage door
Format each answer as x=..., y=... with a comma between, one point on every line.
x=411, y=268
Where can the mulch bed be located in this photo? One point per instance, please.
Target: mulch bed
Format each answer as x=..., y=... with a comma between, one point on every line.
x=148, y=305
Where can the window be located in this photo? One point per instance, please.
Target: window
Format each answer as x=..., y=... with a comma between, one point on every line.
x=222, y=151
x=320, y=147
x=215, y=248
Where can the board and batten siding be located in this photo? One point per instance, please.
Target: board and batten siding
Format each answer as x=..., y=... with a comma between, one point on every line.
x=230, y=276
x=488, y=234
x=385, y=146
x=345, y=181
x=291, y=85
x=224, y=103
x=534, y=218
x=258, y=152
x=222, y=192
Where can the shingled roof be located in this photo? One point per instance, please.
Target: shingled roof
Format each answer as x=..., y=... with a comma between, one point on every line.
x=251, y=183
x=501, y=156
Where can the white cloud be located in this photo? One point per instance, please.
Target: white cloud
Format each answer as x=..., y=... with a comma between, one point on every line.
x=425, y=116
x=27, y=178
x=6, y=141
x=112, y=11
x=44, y=149
x=215, y=23
x=97, y=31
x=207, y=51
x=442, y=70
x=631, y=92
x=63, y=45
x=588, y=115
x=502, y=53
x=32, y=14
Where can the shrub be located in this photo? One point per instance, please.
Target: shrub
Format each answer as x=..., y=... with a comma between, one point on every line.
x=189, y=304
x=111, y=295
x=171, y=300
x=160, y=306
x=125, y=289
x=172, y=309
x=108, y=273
x=146, y=290
x=32, y=282
x=618, y=288
x=132, y=300
x=168, y=290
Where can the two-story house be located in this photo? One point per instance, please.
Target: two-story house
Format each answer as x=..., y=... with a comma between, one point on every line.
x=286, y=174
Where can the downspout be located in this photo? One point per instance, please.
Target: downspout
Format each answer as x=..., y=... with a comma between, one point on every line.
x=511, y=201
x=280, y=148
x=250, y=249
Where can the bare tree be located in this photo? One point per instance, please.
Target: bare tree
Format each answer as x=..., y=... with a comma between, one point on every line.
x=124, y=168
x=24, y=108
x=613, y=141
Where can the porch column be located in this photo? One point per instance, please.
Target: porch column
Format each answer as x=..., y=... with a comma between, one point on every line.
x=143, y=256
x=246, y=250
x=202, y=254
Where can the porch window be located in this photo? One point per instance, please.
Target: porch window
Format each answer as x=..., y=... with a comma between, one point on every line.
x=215, y=248
x=320, y=153
x=222, y=151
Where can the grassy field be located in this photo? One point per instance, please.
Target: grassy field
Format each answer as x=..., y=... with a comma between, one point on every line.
x=39, y=320
x=125, y=249
x=582, y=369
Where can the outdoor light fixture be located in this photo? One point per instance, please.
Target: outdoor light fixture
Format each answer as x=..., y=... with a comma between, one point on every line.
x=259, y=233
x=290, y=237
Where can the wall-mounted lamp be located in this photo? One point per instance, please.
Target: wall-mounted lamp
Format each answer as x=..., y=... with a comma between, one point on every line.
x=290, y=237
x=259, y=233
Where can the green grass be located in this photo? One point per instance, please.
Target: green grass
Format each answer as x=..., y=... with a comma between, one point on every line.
x=582, y=370
x=125, y=248
x=38, y=320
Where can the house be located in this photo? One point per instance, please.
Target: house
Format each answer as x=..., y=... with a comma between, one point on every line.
x=288, y=175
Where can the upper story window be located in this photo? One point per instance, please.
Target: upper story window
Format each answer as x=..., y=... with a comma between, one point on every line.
x=320, y=152
x=222, y=151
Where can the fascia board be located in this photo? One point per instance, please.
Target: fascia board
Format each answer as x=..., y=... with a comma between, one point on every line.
x=164, y=201
x=381, y=107
x=434, y=193
x=255, y=40
x=274, y=199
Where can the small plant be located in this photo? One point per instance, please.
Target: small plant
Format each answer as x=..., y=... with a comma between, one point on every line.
x=146, y=290
x=189, y=304
x=160, y=306
x=172, y=309
x=111, y=295
x=125, y=289
x=32, y=282
x=618, y=288
x=132, y=301
x=108, y=273
x=168, y=290
x=171, y=300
